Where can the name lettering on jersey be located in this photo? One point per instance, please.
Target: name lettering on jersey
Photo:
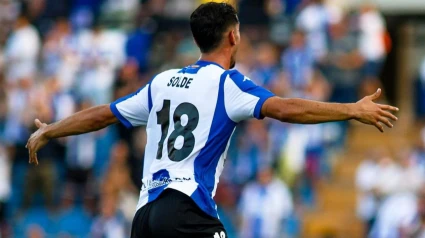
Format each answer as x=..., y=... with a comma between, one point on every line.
x=180, y=82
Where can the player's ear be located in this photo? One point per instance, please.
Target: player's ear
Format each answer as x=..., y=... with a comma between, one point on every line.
x=232, y=37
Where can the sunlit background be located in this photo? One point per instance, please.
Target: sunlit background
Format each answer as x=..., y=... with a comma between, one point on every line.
x=280, y=180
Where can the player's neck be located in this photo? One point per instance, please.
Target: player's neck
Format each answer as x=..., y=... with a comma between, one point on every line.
x=219, y=58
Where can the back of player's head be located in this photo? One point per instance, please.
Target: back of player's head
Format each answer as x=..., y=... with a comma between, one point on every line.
x=209, y=22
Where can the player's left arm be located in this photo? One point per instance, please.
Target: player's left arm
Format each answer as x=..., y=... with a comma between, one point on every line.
x=296, y=110
x=88, y=120
x=244, y=100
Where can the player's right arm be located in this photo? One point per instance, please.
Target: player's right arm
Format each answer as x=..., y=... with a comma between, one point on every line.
x=91, y=119
x=132, y=110
x=295, y=110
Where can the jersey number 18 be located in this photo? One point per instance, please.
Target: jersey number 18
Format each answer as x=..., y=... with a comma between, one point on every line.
x=186, y=131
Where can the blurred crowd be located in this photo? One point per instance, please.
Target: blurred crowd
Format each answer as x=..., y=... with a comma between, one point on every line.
x=59, y=57
x=391, y=192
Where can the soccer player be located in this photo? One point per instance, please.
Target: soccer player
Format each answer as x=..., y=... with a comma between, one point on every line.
x=190, y=115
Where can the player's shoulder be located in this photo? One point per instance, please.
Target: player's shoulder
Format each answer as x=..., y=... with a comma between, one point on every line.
x=236, y=76
x=241, y=80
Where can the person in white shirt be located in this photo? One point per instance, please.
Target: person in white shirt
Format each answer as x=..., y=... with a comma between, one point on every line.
x=21, y=52
x=190, y=115
x=264, y=206
x=367, y=201
x=372, y=43
x=101, y=53
x=109, y=224
x=397, y=211
x=314, y=20
x=416, y=228
x=411, y=174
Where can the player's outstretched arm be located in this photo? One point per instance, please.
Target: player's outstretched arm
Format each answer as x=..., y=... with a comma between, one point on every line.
x=310, y=112
x=91, y=119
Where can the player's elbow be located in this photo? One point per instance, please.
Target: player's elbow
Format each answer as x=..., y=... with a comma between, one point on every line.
x=289, y=116
x=100, y=117
x=284, y=110
x=281, y=115
x=290, y=112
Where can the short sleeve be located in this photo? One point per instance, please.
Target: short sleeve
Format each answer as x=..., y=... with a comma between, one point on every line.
x=243, y=98
x=133, y=110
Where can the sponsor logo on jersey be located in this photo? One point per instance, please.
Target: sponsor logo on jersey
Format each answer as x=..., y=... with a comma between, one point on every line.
x=149, y=184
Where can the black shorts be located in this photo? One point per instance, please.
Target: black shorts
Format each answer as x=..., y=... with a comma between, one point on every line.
x=174, y=214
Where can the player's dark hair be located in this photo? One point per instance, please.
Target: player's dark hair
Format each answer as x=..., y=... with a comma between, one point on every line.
x=209, y=22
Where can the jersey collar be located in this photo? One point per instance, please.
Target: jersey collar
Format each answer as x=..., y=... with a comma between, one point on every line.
x=203, y=63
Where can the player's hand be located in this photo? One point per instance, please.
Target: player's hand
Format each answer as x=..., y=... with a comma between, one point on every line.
x=369, y=112
x=36, y=141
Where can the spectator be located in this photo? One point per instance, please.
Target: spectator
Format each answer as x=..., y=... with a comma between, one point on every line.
x=101, y=53
x=343, y=63
x=62, y=102
x=374, y=45
x=367, y=202
x=388, y=182
x=254, y=151
x=420, y=91
x=417, y=227
x=139, y=41
x=60, y=58
x=372, y=39
x=266, y=69
x=314, y=21
x=264, y=206
x=127, y=80
x=72, y=220
x=391, y=222
x=118, y=181
x=17, y=117
x=21, y=52
x=20, y=61
x=418, y=153
x=298, y=63
x=9, y=11
x=412, y=177
x=108, y=224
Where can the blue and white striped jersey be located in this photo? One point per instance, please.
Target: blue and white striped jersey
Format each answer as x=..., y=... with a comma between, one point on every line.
x=190, y=115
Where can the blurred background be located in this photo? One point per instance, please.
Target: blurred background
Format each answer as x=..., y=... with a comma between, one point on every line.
x=280, y=180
